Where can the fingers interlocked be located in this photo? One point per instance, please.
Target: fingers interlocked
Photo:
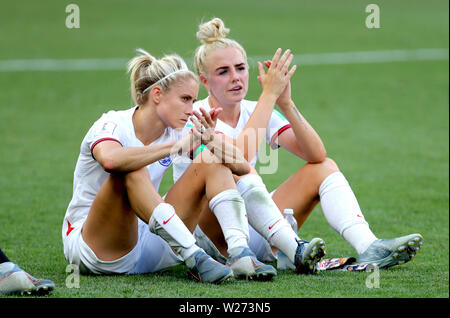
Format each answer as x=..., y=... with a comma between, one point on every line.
x=204, y=126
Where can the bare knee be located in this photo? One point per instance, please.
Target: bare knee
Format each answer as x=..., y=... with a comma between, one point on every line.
x=326, y=168
x=330, y=165
x=210, y=164
x=216, y=169
x=317, y=172
x=136, y=176
x=252, y=171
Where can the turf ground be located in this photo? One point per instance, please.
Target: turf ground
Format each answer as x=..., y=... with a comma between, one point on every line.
x=385, y=124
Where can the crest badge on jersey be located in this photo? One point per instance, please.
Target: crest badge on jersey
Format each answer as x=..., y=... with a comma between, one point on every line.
x=167, y=161
x=109, y=127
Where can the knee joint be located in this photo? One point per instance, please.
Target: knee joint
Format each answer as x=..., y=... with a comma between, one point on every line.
x=136, y=175
x=330, y=165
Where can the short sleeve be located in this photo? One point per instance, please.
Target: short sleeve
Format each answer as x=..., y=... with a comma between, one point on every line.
x=277, y=125
x=108, y=127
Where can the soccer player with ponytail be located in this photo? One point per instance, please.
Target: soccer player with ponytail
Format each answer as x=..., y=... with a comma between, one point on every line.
x=116, y=222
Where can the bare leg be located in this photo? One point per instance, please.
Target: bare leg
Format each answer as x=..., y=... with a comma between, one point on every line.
x=300, y=192
x=211, y=227
x=203, y=180
x=111, y=227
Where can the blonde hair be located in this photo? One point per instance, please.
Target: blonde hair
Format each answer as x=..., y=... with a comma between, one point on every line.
x=213, y=35
x=147, y=72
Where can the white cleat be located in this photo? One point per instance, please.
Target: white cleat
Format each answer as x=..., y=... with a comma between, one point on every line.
x=14, y=280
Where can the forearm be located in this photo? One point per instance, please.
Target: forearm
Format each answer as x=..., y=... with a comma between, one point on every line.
x=307, y=138
x=254, y=131
x=230, y=155
x=126, y=159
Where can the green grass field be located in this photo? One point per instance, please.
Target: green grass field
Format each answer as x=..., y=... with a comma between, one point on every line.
x=385, y=124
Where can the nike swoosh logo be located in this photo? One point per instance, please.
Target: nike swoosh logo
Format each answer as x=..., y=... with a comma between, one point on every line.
x=69, y=228
x=255, y=266
x=165, y=222
x=270, y=227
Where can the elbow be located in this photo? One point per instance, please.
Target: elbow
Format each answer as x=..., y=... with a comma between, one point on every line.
x=109, y=165
x=239, y=169
x=318, y=157
x=108, y=157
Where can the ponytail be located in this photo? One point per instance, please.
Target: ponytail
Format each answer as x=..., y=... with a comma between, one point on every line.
x=146, y=72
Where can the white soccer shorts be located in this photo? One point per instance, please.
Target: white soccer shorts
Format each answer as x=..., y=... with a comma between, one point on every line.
x=151, y=254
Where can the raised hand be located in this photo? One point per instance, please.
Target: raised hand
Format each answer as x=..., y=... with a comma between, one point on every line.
x=278, y=74
x=284, y=99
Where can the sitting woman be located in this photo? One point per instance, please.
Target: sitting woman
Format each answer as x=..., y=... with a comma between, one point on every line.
x=116, y=221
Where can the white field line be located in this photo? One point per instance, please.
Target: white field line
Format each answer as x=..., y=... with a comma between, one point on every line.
x=356, y=57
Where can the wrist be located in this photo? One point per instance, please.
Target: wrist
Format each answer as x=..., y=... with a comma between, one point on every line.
x=199, y=149
x=269, y=96
x=176, y=147
x=213, y=142
x=286, y=105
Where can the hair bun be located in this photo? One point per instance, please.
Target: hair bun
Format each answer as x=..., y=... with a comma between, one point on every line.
x=146, y=57
x=212, y=31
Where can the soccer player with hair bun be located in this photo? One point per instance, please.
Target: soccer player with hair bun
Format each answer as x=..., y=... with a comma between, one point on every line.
x=116, y=222
x=222, y=66
x=229, y=79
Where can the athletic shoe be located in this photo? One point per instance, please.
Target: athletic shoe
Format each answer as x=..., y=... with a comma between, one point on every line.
x=208, y=270
x=308, y=254
x=14, y=280
x=245, y=265
x=389, y=252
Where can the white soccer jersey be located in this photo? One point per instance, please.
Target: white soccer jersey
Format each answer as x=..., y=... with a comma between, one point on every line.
x=277, y=124
x=89, y=175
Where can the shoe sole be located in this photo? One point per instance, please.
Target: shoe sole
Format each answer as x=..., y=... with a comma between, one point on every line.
x=264, y=276
x=224, y=279
x=39, y=291
x=404, y=252
x=218, y=281
x=260, y=277
x=312, y=255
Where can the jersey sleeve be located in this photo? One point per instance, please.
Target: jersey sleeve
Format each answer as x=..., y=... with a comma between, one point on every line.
x=277, y=125
x=106, y=128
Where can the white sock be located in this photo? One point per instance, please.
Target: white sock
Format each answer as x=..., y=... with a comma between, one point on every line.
x=342, y=211
x=229, y=209
x=359, y=236
x=265, y=217
x=166, y=223
x=285, y=241
x=187, y=252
